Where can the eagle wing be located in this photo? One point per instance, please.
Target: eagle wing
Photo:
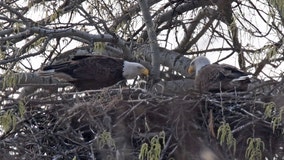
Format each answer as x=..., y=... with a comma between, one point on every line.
x=98, y=68
x=215, y=77
x=87, y=71
x=231, y=72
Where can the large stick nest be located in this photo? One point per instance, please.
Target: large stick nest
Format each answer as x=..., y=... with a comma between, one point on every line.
x=124, y=123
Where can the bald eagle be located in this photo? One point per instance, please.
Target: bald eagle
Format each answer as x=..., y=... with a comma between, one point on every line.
x=89, y=72
x=216, y=77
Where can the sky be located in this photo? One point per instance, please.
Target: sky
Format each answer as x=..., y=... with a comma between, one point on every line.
x=247, y=40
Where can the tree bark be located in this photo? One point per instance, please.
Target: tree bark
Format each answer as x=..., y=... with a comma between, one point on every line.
x=152, y=39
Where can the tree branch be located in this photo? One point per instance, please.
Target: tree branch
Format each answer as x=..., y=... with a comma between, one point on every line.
x=168, y=58
x=176, y=87
x=152, y=39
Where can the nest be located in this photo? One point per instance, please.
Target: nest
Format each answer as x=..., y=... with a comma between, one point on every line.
x=134, y=124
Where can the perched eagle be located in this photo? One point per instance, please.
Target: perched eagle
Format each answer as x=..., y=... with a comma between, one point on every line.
x=216, y=77
x=87, y=72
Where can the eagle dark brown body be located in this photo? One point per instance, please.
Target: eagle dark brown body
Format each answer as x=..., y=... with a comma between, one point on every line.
x=92, y=72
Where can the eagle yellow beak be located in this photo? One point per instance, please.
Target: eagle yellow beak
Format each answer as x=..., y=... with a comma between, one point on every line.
x=190, y=69
x=145, y=72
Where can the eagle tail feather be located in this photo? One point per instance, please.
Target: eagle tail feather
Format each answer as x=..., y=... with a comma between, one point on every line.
x=56, y=66
x=242, y=78
x=49, y=72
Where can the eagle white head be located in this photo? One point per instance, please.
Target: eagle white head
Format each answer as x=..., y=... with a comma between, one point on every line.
x=197, y=63
x=133, y=69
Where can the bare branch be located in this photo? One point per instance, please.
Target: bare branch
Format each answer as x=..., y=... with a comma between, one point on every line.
x=152, y=39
